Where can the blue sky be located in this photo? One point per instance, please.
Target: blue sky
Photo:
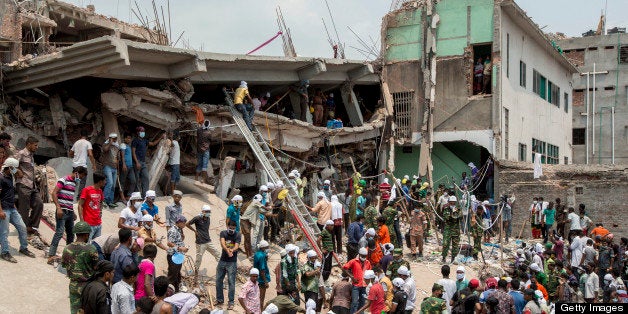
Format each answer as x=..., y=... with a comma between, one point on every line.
x=238, y=26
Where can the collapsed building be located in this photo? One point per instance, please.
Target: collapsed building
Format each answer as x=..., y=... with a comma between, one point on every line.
x=90, y=72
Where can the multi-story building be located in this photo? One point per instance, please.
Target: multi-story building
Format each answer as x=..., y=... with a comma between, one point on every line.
x=600, y=115
x=523, y=106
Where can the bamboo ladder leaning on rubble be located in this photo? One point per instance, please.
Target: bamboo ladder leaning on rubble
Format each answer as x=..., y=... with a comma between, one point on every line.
x=275, y=173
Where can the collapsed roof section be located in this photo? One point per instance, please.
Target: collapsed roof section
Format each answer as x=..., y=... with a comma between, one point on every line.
x=115, y=58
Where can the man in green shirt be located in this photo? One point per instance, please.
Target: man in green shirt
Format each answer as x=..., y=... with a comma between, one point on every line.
x=390, y=213
x=326, y=243
x=549, y=215
x=286, y=302
x=290, y=271
x=434, y=304
x=310, y=272
x=370, y=215
x=397, y=262
x=79, y=259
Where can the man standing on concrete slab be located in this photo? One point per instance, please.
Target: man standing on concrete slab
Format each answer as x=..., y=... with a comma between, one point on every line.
x=139, y=147
x=63, y=198
x=228, y=264
x=128, y=171
x=175, y=162
x=111, y=155
x=30, y=204
x=203, y=139
x=90, y=205
x=80, y=151
x=201, y=224
x=8, y=213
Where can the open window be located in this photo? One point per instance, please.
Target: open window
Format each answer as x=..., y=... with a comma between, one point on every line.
x=482, y=68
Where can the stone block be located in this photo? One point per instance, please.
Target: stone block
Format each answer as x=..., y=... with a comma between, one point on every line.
x=76, y=108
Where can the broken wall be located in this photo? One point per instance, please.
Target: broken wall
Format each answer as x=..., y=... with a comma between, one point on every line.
x=603, y=189
x=407, y=77
x=10, y=30
x=463, y=22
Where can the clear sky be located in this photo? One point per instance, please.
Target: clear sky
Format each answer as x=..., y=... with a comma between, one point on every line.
x=238, y=26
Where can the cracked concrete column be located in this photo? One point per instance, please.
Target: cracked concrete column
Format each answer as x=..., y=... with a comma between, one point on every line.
x=351, y=105
x=225, y=177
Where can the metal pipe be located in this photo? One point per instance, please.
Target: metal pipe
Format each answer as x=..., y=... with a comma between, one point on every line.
x=613, y=135
x=593, y=120
x=587, y=129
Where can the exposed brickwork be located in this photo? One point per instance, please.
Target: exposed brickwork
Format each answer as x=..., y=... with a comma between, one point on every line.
x=578, y=98
x=576, y=57
x=604, y=191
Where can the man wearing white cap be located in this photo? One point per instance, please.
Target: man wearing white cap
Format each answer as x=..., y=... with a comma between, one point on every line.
x=451, y=236
x=290, y=272
x=461, y=280
x=251, y=224
x=409, y=287
x=149, y=207
x=249, y=295
x=384, y=190
x=260, y=261
x=245, y=107
x=327, y=189
x=131, y=215
x=271, y=309
x=323, y=208
x=357, y=267
x=111, y=156
x=311, y=272
x=201, y=231
x=233, y=211
x=80, y=151
x=326, y=243
x=375, y=300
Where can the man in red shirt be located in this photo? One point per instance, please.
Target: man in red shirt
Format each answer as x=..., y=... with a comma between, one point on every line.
x=90, y=205
x=357, y=267
x=376, y=297
x=384, y=190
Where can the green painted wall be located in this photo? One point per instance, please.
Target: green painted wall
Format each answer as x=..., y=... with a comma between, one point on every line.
x=403, y=37
x=406, y=163
x=452, y=30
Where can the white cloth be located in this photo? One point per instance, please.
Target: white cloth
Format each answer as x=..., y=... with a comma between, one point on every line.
x=122, y=298
x=131, y=218
x=575, y=221
x=538, y=170
x=336, y=210
x=591, y=286
x=576, y=251
x=183, y=301
x=256, y=103
x=175, y=154
x=450, y=290
x=80, y=149
x=410, y=288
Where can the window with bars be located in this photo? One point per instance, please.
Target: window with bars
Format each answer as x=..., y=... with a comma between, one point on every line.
x=549, y=153
x=539, y=84
x=403, y=113
x=553, y=94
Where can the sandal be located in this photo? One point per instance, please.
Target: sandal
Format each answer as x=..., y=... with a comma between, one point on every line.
x=230, y=307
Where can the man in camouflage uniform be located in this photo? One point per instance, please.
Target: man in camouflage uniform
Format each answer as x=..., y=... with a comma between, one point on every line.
x=434, y=304
x=397, y=262
x=451, y=235
x=79, y=259
x=370, y=215
x=476, y=233
x=552, y=282
x=290, y=274
x=390, y=214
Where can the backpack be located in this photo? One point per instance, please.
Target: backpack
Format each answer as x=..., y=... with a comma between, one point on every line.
x=458, y=307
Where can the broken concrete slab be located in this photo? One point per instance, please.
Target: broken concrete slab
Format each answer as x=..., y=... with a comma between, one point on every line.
x=114, y=102
x=76, y=108
x=56, y=109
x=158, y=163
x=189, y=185
x=154, y=96
x=47, y=147
x=63, y=167
x=225, y=177
x=145, y=112
x=110, y=124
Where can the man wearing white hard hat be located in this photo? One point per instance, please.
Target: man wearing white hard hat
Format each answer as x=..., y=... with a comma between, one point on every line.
x=409, y=287
x=147, y=232
x=131, y=215
x=233, y=211
x=451, y=235
x=356, y=268
x=375, y=300
x=244, y=103
x=326, y=243
x=323, y=209
x=252, y=224
x=311, y=272
x=290, y=279
x=9, y=214
x=200, y=225
x=249, y=294
x=149, y=207
x=110, y=159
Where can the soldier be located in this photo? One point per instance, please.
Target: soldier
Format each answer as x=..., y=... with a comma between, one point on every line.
x=390, y=214
x=476, y=232
x=434, y=304
x=370, y=215
x=79, y=259
x=397, y=262
x=451, y=236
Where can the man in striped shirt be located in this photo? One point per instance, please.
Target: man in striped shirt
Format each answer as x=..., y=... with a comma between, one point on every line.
x=63, y=198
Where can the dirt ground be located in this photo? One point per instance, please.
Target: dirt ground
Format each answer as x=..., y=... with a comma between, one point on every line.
x=33, y=278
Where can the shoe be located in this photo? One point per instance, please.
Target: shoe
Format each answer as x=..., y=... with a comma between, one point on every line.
x=420, y=254
x=27, y=253
x=53, y=259
x=443, y=261
x=216, y=303
x=112, y=205
x=7, y=257
x=230, y=307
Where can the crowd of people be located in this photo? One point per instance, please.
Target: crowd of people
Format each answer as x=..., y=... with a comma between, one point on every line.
x=363, y=227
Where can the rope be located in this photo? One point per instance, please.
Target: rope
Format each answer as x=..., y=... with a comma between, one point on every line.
x=278, y=100
x=265, y=43
x=297, y=159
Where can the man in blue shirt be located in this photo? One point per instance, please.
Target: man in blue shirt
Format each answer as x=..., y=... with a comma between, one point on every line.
x=354, y=234
x=260, y=261
x=122, y=256
x=149, y=207
x=139, y=147
x=517, y=296
x=233, y=211
x=128, y=171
